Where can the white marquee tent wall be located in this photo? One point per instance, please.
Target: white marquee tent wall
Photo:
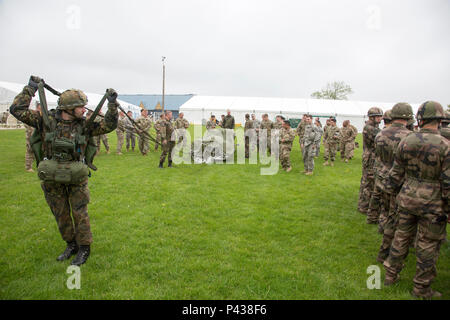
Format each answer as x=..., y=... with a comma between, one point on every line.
x=8, y=90
x=198, y=109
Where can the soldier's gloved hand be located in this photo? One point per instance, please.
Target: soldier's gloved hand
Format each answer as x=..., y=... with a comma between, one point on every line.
x=112, y=96
x=33, y=82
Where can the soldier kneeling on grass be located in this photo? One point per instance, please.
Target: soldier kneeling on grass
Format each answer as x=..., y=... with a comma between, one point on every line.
x=64, y=150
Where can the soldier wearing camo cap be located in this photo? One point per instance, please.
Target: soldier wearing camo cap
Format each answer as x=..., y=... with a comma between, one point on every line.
x=421, y=176
x=331, y=137
x=370, y=131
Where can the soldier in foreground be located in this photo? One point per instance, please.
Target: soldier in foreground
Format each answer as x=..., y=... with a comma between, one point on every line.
x=144, y=123
x=386, y=143
x=120, y=131
x=331, y=138
x=310, y=137
x=421, y=174
x=287, y=137
x=168, y=142
x=368, y=159
x=63, y=172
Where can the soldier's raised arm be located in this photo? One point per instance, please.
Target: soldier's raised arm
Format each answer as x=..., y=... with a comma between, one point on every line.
x=109, y=122
x=21, y=104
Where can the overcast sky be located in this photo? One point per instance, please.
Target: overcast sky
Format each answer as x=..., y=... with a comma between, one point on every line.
x=387, y=51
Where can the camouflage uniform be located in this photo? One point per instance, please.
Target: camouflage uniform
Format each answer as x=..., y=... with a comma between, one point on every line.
x=158, y=132
x=277, y=126
x=324, y=142
x=368, y=160
x=300, y=132
x=144, y=123
x=65, y=199
x=129, y=134
x=29, y=155
x=181, y=125
x=265, y=139
x=228, y=122
x=386, y=143
x=318, y=141
x=166, y=134
x=210, y=125
x=287, y=137
x=352, y=147
x=331, y=140
x=120, y=131
x=310, y=137
x=248, y=131
x=348, y=136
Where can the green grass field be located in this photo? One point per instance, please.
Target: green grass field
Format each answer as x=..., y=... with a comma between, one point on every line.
x=198, y=232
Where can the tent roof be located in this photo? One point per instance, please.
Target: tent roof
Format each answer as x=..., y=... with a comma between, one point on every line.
x=150, y=101
x=285, y=105
x=8, y=90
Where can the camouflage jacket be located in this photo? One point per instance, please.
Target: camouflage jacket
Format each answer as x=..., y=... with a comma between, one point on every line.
x=287, y=136
x=348, y=134
x=144, y=123
x=28, y=133
x=63, y=128
x=248, y=125
x=256, y=124
x=277, y=125
x=325, y=129
x=121, y=124
x=128, y=125
x=158, y=125
x=386, y=142
x=211, y=124
x=370, y=131
x=445, y=132
x=228, y=122
x=167, y=130
x=332, y=135
x=267, y=125
x=311, y=135
x=421, y=173
x=181, y=123
x=301, y=130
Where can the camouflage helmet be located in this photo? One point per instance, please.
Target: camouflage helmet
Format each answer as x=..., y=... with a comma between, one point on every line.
x=430, y=110
x=402, y=110
x=447, y=117
x=72, y=98
x=387, y=116
x=375, y=112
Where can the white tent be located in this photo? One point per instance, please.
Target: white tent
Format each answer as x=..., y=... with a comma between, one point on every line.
x=198, y=109
x=8, y=90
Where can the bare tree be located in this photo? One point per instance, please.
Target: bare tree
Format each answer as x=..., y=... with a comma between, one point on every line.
x=336, y=90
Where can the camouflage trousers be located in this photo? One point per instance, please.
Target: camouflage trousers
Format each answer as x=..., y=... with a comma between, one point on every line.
x=309, y=152
x=317, y=149
x=430, y=233
x=130, y=140
x=68, y=204
x=167, y=151
x=144, y=144
x=347, y=150
x=29, y=158
x=389, y=225
x=103, y=139
x=376, y=204
x=367, y=182
x=285, y=155
x=330, y=151
x=120, y=138
x=158, y=139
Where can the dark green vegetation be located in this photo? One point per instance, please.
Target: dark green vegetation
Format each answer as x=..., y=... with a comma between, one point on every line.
x=197, y=232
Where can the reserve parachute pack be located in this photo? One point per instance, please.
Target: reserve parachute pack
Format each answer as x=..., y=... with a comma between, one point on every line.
x=70, y=158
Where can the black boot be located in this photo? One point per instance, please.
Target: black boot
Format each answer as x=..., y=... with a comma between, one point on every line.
x=161, y=165
x=71, y=249
x=82, y=255
x=170, y=164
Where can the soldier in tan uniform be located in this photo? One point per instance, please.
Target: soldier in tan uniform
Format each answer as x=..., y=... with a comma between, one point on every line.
x=287, y=137
x=181, y=124
x=212, y=123
x=267, y=126
x=348, y=136
x=158, y=130
x=144, y=123
x=168, y=139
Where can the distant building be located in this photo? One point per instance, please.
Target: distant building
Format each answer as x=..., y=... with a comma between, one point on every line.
x=153, y=102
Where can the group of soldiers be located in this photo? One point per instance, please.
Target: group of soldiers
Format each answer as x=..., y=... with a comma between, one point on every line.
x=405, y=188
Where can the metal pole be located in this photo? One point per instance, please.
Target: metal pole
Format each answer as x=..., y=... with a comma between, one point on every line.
x=164, y=82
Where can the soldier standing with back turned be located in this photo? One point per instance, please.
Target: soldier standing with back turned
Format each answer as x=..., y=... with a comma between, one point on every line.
x=421, y=172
